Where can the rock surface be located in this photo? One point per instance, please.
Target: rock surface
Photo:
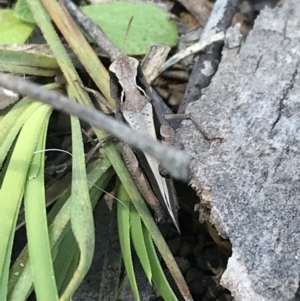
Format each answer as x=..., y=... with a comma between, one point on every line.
x=249, y=180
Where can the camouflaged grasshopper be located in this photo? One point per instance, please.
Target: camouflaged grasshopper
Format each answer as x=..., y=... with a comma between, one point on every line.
x=134, y=106
x=136, y=109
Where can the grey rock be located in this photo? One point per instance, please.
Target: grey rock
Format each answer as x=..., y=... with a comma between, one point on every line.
x=251, y=178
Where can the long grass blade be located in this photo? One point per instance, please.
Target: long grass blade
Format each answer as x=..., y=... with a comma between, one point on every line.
x=20, y=283
x=159, y=279
x=13, y=187
x=36, y=223
x=124, y=234
x=147, y=219
x=138, y=240
x=12, y=122
x=82, y=220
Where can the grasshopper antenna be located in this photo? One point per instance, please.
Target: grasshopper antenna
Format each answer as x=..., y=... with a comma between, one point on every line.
x=126, y=35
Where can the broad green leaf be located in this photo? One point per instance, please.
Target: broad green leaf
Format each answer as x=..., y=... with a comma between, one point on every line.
x=150, y=25
x=13, y=30
x=23, y=12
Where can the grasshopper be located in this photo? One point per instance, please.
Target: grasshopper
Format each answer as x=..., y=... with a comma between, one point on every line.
x=136, y=109
x=134, y=106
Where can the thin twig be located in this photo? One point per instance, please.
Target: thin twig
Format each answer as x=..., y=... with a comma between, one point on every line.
x=94, y=31
x=197, y=47
x=177, y=162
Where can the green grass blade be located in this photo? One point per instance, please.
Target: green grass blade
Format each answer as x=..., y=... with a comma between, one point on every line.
x=13, y=121
x=124, y=234
x=81, y=47
x=82, y=220
x=159, y=279
x=146, y=217
x=5, y=267
x=59, y=52
x=36, y=223
x=12, y=190
x=20, y=283
x=70, y=268
x=62, y=219
x=137, y=237
x=72, y=252
x=20, y=278
x=21, y=60
x=59, y=16
x=68, y=249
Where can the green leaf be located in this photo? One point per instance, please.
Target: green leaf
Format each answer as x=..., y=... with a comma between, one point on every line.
x=23, y=12
x=150, y=25
x=13, y=30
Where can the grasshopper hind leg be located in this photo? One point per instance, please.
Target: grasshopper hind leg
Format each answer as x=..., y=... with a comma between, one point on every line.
x=143, y=185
